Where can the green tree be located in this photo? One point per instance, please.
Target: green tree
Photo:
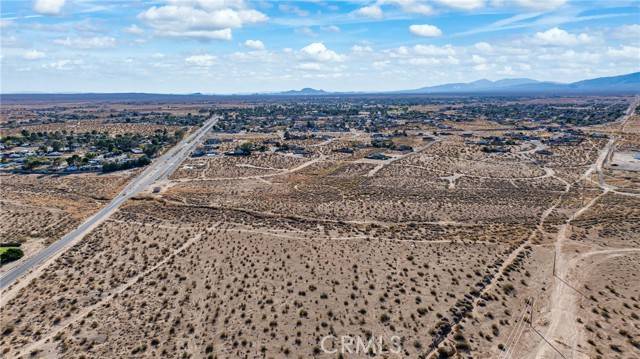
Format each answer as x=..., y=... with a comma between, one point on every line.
x=151, y=150
x=10, y=255
x=33, y=162
x=73, y=160
x=56, y=145
x=246, y=147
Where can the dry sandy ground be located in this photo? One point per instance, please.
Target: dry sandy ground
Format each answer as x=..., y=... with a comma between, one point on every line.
x=278, y=290
x=38, y=209
x=263, y=257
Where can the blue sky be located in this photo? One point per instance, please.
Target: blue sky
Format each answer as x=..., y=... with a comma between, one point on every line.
x=242, y=46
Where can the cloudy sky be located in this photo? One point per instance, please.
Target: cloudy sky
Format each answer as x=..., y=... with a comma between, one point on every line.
x=241, y=46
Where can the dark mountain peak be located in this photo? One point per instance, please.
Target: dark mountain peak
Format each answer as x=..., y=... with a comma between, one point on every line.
x=304, y=91
x=311, y=90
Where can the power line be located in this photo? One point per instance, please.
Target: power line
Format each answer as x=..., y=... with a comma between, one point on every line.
x=511, y=336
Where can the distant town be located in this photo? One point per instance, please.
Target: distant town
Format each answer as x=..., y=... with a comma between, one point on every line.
x=31, y=148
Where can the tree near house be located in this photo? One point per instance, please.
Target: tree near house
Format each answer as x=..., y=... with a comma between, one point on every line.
x=74, y=160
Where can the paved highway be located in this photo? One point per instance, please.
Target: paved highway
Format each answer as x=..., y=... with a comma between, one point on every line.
x=159, y=169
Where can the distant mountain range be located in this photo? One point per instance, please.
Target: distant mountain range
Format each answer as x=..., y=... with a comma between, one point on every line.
x=623, y=84
x=629, y=83
x=475, y=86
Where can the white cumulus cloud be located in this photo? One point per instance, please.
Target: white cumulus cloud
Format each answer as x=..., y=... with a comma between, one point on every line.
x=485, y=47
x=477, y=59
x=628, y=32
x=204, y=60
x=379, y=65
x=317, y=52
x=624, y=53
x=559, y=37
x=372, y=11
x=481, y=67
x=200, y=19
x=254, y=44
x=425, y=30
x=463, y=4
x=409, y=6
x=361, y=49
x=48, y=7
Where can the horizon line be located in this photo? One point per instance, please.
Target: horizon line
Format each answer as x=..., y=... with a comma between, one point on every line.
x=328, y=92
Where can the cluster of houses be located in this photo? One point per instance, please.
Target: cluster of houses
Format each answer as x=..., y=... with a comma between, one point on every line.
x=309, y=118
x=563, y=136
x=67, y=159
x=567, y=113
x=209, y=148
x=379, y=140
x=212, y=146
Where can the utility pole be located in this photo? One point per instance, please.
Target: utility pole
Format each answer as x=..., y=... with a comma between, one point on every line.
x=531, y=316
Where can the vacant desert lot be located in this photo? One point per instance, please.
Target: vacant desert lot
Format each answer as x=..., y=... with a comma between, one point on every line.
x=263, y=288
x=39, y=209
x=457, y=251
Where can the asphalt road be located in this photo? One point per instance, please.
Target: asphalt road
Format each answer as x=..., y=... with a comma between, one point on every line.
x=159, y=169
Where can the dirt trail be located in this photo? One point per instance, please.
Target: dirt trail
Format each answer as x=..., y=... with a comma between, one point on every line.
x=279, y=172
x=499, y=273
x=452, y=179
x=563, y=327
x=630, y=111
x=549, y=172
